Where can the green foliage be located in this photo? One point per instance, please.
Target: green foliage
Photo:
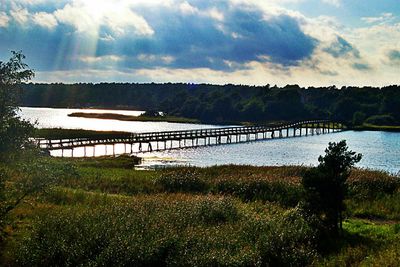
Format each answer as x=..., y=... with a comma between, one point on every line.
x=214, y=211
x=367, y=185
x=223, y=104
x=59, y=133
x=26, y=178
x=365, y=243
x=358, y=118
x=14, y=132
x=261, y=189
x=116, y=215
x=281, y=245
x=173, y=230
x=184, y=180
x=114, y=181
x=325, y=186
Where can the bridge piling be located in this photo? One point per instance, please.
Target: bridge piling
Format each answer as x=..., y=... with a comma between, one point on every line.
x=190, y=138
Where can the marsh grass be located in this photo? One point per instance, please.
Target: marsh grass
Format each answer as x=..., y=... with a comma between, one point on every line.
x=166, y=229
x=59, y=133
x=110, y=214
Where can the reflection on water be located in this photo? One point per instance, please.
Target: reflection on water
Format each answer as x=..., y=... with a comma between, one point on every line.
x=58, y=118
x=381, y=150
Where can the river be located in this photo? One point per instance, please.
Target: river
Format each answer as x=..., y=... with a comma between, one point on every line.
x=381, y=150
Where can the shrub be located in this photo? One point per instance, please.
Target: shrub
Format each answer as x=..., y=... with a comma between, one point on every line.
x=212, y=211
x=325, y=186
x=288, y=240
x=182, y=180
x=367, y=184
x=165, y=230
x=285, y=193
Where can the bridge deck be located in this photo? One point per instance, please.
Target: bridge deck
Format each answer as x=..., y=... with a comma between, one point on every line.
x=323, y=126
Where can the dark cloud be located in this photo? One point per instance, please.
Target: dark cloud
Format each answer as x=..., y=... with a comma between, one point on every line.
x=196, y=40
x=394, y=55
x=193, y=40
x=341, y=48
x=361, y=66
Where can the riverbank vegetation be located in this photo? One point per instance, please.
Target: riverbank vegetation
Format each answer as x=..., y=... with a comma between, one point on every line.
x=229, y=103
x=59, y=133
x=110, y=214
x=143, y=117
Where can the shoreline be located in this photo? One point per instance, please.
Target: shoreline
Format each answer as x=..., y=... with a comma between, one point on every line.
x=121, y=117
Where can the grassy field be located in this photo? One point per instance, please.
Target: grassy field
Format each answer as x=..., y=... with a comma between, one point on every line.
x=107, y=213
x=121, y=117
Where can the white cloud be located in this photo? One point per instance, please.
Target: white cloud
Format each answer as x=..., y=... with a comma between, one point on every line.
x=101, y=59
x=122, y=20
x=45, y=20
x=20, y=15
x=186, y=8
x=215, y=14
x=383, y=18
x=4, y=19
x=90, y=15
x=149, y=58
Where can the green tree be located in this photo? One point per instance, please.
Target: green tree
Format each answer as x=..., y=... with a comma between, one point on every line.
x=358, y=118
x=14, y=132
x=24, y=171
x=325, y=185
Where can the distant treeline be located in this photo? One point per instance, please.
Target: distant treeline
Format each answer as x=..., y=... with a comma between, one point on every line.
x=228, y=103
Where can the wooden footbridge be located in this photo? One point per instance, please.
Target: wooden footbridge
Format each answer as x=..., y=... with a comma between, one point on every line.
x=158, y=141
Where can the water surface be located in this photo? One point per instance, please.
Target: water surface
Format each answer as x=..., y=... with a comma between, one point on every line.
x=381, y=150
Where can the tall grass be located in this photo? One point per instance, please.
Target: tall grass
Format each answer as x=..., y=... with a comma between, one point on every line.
x=181, y=230
x=110, y=214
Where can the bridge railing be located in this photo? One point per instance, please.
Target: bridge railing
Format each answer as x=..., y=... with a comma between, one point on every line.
x=185, y=134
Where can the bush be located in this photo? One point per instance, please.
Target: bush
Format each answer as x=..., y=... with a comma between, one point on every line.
x=212, y=211
x=288, y=241
x=173, y=230
x=182, y=180
x=325, y=186
x=282, y=192
x=366, y=184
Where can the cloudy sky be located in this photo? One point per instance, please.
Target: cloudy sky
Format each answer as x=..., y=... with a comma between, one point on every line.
x=309, y=42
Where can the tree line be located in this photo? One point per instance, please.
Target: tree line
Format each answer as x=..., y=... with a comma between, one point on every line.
x=228, y=103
